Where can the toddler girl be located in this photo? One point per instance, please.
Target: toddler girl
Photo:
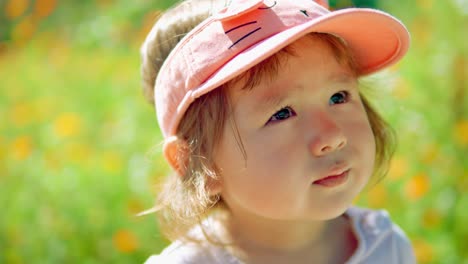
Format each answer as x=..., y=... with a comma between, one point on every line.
x=268, y=133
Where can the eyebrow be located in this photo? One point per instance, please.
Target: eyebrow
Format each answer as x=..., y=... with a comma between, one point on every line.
x=269, y=101
x=342, y=77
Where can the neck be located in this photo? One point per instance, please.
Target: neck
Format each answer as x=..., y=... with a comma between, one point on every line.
x=253, y=235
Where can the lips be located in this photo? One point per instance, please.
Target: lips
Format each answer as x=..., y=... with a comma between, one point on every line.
x=336, y=177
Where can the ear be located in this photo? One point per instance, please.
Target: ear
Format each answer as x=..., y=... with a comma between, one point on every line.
x=176, y=152
x=214, y=186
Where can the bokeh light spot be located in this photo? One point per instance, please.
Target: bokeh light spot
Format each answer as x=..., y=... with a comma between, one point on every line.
x=125, y=241
x=16, y=8
x=44, y=8
x=67, y=125
x=417, y=186
x=21, y=147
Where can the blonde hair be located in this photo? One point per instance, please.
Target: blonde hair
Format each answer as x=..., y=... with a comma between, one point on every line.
x=184, y=202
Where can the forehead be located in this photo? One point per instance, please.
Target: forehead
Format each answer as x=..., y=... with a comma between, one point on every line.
x=268, y=71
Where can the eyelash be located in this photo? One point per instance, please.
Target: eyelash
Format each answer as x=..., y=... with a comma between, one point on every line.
x=291, y=112
x=345, y=94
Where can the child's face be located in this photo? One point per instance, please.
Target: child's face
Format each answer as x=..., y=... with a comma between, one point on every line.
x=295, y=130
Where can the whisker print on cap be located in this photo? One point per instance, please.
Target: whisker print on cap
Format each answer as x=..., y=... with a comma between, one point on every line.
x=246, y=35
x=243, y=25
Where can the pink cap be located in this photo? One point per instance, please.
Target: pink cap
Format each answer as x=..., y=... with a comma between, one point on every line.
x=249, y=31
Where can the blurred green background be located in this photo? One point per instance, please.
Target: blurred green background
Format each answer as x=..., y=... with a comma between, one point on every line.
x=79, y=146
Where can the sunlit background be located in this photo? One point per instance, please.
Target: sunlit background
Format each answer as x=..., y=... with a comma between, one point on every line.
x=79, y=153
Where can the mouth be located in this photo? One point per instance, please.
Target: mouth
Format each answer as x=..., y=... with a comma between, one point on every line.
x=333, y=180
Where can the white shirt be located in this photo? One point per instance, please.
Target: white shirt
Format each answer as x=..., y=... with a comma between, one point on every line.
x=379, y=241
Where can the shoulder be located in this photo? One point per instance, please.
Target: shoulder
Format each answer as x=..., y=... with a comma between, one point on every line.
x=379, y=237
x=177, y=253
x=187, y=253
x=170, y=255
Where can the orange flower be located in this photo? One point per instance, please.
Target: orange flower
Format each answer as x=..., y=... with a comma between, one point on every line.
x=423, y=251
x=43, y=8
x=461, y=133
x=417, y=186
x=24, y=30
x=21, y=147
x=15, y=8
x=125, y=241
x=148, y=23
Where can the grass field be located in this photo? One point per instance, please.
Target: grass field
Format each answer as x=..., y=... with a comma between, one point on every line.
x=80, y=154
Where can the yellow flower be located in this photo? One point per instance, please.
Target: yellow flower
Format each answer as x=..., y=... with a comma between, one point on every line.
x=377, y=196
x=420, y=31
x=432, y=218
x=134, y=207
x=21, y=147
x=430, y=154
x=112, y=162
x=461, y=133
x=417, y=186
x=78, y=152
x=2, y=150
x=125, y=241
x=462, y=184
x=21, y=114
x=52, y=161
x=425, y=4
x=398, y=167
x=67, y=125
x=423, y=251
x=104, y=3
x=401, y=89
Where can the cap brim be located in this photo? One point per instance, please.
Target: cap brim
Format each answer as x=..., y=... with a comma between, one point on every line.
x=375, y=38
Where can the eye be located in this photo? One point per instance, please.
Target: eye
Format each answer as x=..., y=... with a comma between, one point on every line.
x=282, y=114
x=339, y=98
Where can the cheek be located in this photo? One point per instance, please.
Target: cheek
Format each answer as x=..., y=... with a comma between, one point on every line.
x=276, y=159
x=369, y=143
x=256, y=178
x=366, y=141
x=359, y=134
x=366, y=135
x=262, y=162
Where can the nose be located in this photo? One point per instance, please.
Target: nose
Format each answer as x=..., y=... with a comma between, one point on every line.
x=327, y=136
